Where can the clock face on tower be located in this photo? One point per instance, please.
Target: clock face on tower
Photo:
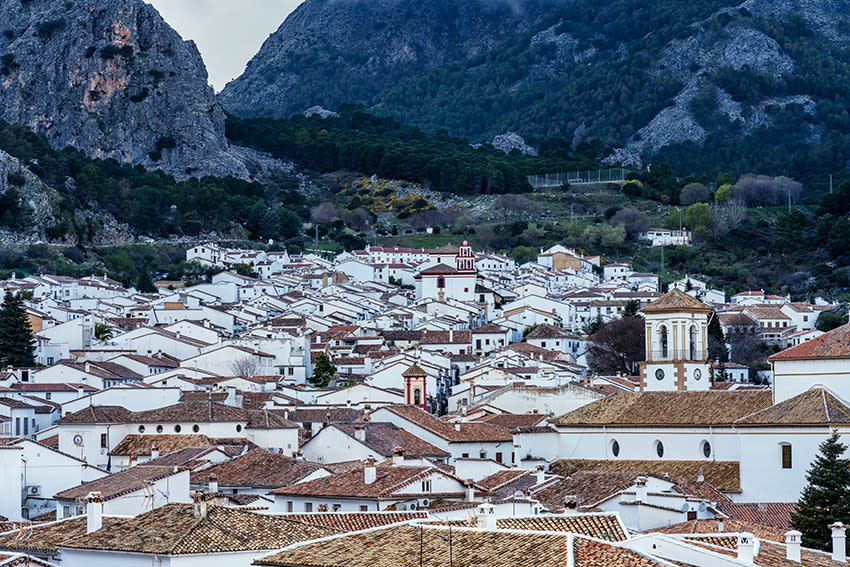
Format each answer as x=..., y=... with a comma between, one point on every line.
x=659, y=374
x=697, y=374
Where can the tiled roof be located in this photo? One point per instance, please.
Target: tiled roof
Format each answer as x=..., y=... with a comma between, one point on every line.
x=414, y=370
x=724, y=475
x=834, y=344
x=135, y=444
x=407, y=546
x=585, y=488
x=501, y=478
x=98, y=414
x=816, y=406
x=469, y=431
x=439, y=269
x=43, y=539
x=257, y=468
x=514, y=420
x=602, y=526
x=383, y=438
x=459, y=337
x=120, y=483
x=544, y=331
x=173, y=529
x=196, y=410
x=489, y=328
x=264, y=419
x=355, y=521
x=352, y=484
x=334, y=415
x=668, y=408
x=774, y=514
x=675, y=301
x=729, y=525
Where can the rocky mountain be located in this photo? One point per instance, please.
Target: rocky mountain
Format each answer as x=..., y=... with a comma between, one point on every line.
x=656, y=78
x=333, y=51
x=110, y=77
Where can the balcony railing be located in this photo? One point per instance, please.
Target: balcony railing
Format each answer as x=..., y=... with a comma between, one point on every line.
x=677, y=354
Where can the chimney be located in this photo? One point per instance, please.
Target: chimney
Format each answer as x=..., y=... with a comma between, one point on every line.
x=720, y=526
x=369, y=472
x=700, y=476
x=746, y=547
x=792, y=546
x=641, y=491
x=398, y=456
x=213, y=486
x=470, y=490
x=81, y=391
x=457, y=427
x=87, y=367
x=200, y=500
x=154, y=452
x=541, y=474
x=487, y=516
x=94, y=512
x=839, y=544
x=360, y=432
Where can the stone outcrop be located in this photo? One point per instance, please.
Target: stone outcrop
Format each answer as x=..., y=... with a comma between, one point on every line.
x=111, y=78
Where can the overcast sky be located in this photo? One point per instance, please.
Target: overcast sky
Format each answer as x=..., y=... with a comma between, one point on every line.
x=228, y=32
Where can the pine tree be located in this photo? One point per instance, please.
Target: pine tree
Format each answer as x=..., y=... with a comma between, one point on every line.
x=826, y=498
x=17, y=345
x=323, y=371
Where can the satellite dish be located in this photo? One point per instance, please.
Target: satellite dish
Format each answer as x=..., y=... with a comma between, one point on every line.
x=702, y=507
x=685, y=508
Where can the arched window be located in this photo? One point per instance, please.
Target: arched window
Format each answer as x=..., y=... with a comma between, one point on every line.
x=662, y=340
x=692, y=342
x=417, y=397
x=706, y=449
x=441, y=282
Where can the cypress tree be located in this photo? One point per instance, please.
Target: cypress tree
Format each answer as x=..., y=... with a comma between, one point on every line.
x=17, y=345
x=716, y=340
x=826, y=498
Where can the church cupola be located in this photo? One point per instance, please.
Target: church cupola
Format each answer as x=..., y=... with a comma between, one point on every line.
x=465, y=258
x=414, y=387
x=676, y=344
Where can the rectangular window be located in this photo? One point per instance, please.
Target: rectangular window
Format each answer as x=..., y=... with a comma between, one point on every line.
x=26, y=427
x=308, y=506
x=364, y=508
x=465, y=456
x=17, y=427
x=103, y=443
x=498, y=457
x=289, y=506
x=786, y=456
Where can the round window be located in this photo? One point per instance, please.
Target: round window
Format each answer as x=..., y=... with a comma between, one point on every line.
x=196, y=428
x=141, y=429
x=238, y=428
x=159, y=429
x=177, y=428
x=697, y=374
x=659, y=374
x=659, y=449
x=615, y=448
x=706, y=449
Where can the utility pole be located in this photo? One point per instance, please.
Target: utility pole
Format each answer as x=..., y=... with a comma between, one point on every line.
x=789, y=201
x=830, y=184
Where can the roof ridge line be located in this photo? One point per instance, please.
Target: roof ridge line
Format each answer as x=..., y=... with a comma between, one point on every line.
x=825, y=406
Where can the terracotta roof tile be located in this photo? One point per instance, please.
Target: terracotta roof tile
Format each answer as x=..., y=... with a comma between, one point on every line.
x=135, y=444
x=668, y=408
x=834, y=344
x=45, y=538
x=257, y=468
x=173, y=529
x=724, y=475
x=355, y=521
x=465, y=432
x=352, y=484
x=817, y=406
x=383, y=438
x=675, y=300
x=120, y=483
